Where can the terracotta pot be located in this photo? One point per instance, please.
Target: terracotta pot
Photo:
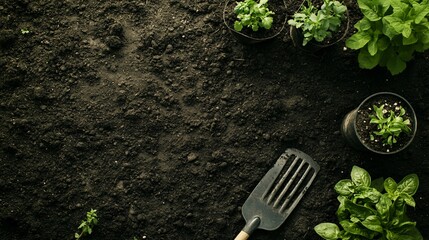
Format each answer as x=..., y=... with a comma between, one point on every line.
x=352, y=131
x=246, y=38
x=314, y=46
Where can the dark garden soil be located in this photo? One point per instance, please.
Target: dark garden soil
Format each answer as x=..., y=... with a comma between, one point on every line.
x=153, y=114
x=364, y=128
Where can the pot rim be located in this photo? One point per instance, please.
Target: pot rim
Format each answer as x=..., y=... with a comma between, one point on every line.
x=247, y=36
x=413, y=113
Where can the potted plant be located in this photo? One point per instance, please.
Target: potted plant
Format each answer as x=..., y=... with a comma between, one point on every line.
x=384, y=123
x=373, y=209
x=312, y=28
x=255, y=21
x=390, y=32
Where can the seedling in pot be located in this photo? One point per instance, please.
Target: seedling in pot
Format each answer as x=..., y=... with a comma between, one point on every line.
x=319, y=24
x=367, y=212
x=88, y=224
x=254, y=15
x=390, y=127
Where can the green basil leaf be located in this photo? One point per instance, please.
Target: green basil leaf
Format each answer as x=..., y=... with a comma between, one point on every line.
x=373, y=223
x=372, y=46
x=357, y=210
x=404, y=233
x=358, y=40
x=421, y=10
x=367, y=7
x=366, y=61
x=345, y=187
x=357, y=229
x=384, y=208
x=390, y=185
x=360, y=177
x=409, y=184
x=328, y=230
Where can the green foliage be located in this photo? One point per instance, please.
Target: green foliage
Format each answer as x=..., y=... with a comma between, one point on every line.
x=88, y=224
x=390, y=32
x=390, y=127
x=319, y=24
x=365, y=212
x=253, y=15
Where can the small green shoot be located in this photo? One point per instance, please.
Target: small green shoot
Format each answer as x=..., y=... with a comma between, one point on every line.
x=24, y=31
x=390, y=127
x=88, y=224
x=253, y=15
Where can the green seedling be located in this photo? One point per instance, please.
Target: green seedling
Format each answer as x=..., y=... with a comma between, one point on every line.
x=252, y=14
x=88, y=224
x=390, y=127
x=319, y=24
x=373, y=209
x=24, y=31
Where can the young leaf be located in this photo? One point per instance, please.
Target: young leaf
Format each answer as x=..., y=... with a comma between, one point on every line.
x=360, y=176
x=409, y=184
x=329, y=231
x=390, y=185
x=366, y=61
x=358, y=40
x=344, y=187
x=373, y=223
x=356, y=229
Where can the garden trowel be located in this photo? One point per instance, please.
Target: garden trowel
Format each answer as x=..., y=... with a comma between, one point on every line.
x=278, y=193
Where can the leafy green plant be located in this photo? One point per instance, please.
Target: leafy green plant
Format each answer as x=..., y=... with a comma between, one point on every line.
x=254, y=15
x=319, y=24
x=390, y=127
x=365, y=212
x=88, y=224
x=390, y=32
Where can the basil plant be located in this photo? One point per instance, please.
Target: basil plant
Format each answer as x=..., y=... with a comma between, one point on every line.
x=373, y=209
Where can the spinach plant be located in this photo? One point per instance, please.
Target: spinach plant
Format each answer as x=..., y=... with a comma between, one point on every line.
x=253, y=14
x=390, y=127
x=319, y=24
x=88, y=224
x=390, y=32
x=365, y=212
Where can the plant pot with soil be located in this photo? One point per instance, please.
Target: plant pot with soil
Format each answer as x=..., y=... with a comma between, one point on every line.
x=313, y=28
x=255, y=21
x=384, y=123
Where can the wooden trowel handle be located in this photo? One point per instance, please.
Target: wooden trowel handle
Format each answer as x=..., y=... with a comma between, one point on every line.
x=250, y=226
x=242, y=236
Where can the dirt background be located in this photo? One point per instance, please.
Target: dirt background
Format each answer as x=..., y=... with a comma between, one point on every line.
x=153, y=114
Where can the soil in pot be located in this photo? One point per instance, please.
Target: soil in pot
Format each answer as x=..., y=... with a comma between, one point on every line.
x=279, y=20
x=364, y=128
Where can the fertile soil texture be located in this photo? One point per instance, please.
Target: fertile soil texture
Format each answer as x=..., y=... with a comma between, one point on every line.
x=153, y=114
x=364, y=128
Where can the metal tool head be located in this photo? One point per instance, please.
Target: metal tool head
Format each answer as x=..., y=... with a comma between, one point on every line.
x=280, y=190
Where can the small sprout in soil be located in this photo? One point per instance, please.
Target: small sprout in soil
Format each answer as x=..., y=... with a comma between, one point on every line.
x=88, y=224
x=253, y=15
x=390, y=127
x=24, y=31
